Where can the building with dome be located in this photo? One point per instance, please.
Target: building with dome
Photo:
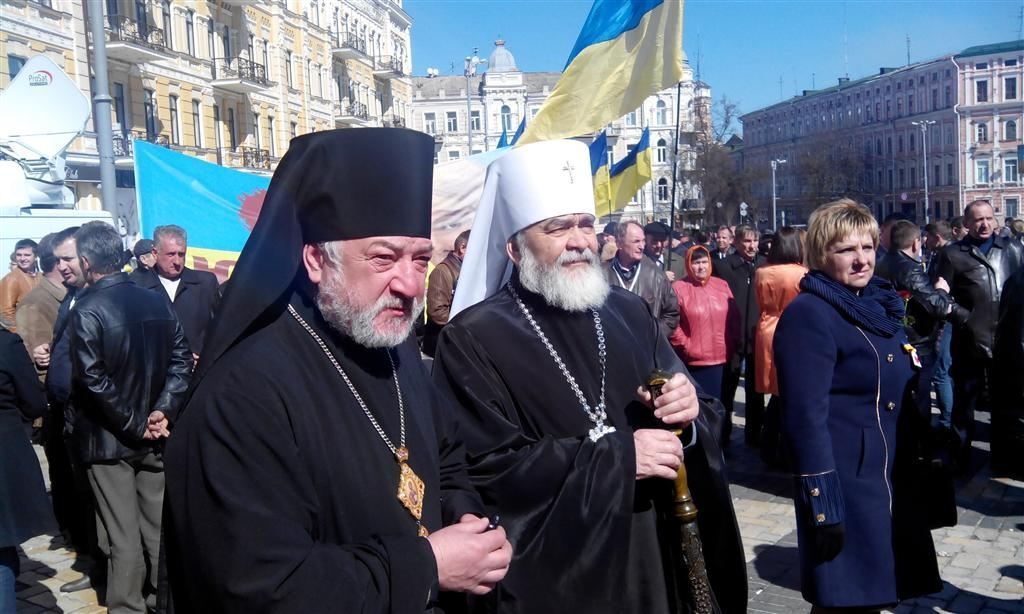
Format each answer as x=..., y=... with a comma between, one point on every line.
x=501, y=95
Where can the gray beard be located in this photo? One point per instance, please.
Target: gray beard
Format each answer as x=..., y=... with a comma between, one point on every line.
x=337, y=306
x=578, y=290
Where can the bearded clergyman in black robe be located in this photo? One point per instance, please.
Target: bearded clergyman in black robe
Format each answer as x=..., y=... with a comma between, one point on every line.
x=313, y=469
x=545, y=361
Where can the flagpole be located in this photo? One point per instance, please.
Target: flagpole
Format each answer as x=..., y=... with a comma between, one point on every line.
x=675, y=164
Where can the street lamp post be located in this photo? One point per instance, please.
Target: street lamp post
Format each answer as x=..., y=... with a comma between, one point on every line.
x=470, y=71
x=775, y=220
x=924, y=151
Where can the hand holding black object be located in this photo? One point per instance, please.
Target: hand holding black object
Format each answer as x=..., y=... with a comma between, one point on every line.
x=827, y=541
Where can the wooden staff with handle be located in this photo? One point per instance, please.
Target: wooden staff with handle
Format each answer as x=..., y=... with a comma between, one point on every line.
x=686, y=513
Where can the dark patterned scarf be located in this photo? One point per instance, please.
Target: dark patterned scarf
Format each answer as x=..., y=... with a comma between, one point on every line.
x=877, y=308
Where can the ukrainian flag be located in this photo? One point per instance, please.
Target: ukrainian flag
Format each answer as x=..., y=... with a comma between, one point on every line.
x=631, y=173
x=503, y=141
x=601, y=174
x=627, y=50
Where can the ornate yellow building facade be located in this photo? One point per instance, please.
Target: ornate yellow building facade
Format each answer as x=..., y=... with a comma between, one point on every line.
x=230, y=81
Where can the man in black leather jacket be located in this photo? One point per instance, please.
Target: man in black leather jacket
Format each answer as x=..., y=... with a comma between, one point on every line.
x=976, y=267
x=1008, y=419
x=130, y=369
x=629, y=269
x=928, y=304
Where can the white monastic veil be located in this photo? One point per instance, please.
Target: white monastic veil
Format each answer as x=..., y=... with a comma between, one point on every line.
x=529, y=184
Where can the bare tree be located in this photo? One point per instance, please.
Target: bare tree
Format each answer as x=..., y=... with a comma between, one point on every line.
x=724, y=114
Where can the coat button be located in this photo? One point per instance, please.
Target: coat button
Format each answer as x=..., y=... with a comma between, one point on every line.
x=820, y=517
x=890, y=405
x=815, y=492
x=889, y=358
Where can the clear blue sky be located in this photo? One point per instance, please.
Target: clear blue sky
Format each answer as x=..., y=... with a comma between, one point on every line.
x=744, y=46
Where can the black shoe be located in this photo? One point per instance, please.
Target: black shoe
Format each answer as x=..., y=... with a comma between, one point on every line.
x=74, y=586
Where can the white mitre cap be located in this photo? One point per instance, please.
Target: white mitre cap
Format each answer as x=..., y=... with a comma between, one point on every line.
x=529, y=184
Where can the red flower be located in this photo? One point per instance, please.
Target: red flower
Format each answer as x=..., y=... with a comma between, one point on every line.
x=904, y=294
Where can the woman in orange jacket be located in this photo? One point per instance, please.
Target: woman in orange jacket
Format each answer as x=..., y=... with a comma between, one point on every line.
x=709, y=322
x=775, y=285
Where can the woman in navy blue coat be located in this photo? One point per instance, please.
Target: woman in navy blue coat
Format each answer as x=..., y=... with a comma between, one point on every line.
x=845, y=372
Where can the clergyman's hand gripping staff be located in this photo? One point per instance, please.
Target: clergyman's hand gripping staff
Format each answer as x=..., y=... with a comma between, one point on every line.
x=686, y=513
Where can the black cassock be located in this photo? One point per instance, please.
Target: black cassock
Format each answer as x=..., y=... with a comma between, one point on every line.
x=282, y=496
x=587, y=536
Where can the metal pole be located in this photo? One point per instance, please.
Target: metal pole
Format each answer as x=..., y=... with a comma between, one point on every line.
x=675, y=166
x=924, y=146
x=775, y=219
x=102, y=105
x=469, y=112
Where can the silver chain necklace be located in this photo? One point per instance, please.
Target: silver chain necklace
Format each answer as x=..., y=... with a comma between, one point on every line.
x=596, y=414
x=410, y=487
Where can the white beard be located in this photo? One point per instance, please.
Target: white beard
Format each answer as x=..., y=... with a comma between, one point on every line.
x=571, y=290
x=338, y=307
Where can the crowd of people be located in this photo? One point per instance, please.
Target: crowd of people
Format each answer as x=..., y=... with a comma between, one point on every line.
x=286, y=443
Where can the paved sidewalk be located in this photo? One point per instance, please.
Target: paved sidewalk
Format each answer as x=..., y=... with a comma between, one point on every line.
x=981, y=559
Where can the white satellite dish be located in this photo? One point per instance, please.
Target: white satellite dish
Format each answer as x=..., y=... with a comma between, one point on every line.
x=41, y=112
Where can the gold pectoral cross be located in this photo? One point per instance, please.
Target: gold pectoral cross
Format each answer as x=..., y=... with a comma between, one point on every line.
x=410, y=489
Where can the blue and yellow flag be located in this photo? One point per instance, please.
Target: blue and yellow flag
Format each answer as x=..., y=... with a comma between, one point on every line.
x=503, y=141
x=519, y=132
x=216, y=206
x=602, y=175
x=631, y=173
x=626, y=51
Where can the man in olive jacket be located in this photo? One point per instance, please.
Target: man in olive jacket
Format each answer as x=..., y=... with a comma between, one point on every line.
x=440, y=290
x=632, y=270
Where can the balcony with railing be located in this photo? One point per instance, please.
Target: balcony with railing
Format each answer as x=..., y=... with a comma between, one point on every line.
x=349, y=46
x=239, y=75
x=352, y=114
x=252, y=158
x=124, y=142
x=394, y=121
x=388, y=67
x=134, y=42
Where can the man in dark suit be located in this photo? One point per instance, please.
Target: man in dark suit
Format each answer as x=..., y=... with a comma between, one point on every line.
x=737, y=269
x=193, y=294
x=656, y=241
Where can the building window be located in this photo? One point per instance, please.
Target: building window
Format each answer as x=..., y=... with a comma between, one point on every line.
x=266, y=58
x=273, y=137
x=14, y=64
x=506, y=117
x=888, y=145
x=631, y=118
x=226, y=35
x=190, y=32
x=878, y=147
x=949, y=135
x=288, y=68
x=913, y=177
x=1011, y=206
x=661, y=151
x=175, y=127
x=475, y=120
x=910, y=104
x=294, y=130
x=1010, y=170
x=661, y=112
x=1010, y=62
x=451, y=122
x=949, y=96
x=1010, y=130
x=165, y=9
x=119, y=107
x=314, y=12
x=232, y=135
x=663, y=189
x=454, y=155
x=611, y=156
x=950, y=177
x=197, y=121
x=1010, y=88
x=981, y=171
x=899, y=143
x=210, y=43
x=149, y=110
x=903, y=178
x=982, y=132
x=430, y=123
x=913, y=141
x=981, y=66
x=937, y=176
x=981, y=91
x=256, y=129
x=217, y=127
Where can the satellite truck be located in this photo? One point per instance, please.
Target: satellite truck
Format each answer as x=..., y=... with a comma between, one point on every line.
x=41, y=112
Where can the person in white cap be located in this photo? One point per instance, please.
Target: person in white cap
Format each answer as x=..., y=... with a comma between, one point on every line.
x=547, y=365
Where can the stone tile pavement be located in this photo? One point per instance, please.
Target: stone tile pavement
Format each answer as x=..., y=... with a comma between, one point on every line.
x=981, y=559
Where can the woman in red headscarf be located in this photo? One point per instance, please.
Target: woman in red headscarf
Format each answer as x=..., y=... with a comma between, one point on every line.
x=709, y=322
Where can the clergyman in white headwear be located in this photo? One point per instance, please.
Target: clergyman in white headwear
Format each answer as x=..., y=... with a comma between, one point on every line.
x=546, y=363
